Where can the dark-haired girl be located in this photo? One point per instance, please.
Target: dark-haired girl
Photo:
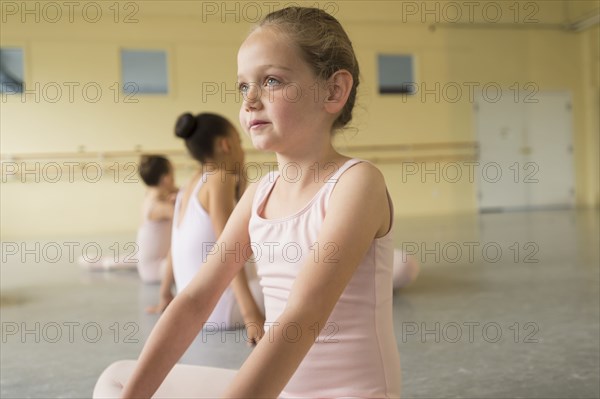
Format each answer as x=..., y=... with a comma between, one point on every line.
x=201, y=212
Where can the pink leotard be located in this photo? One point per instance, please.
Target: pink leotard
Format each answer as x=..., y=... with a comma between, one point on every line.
x=356, y=354
x=190, y=244
x=153, y=241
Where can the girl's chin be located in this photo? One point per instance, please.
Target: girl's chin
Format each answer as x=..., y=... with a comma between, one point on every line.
x=261, y=145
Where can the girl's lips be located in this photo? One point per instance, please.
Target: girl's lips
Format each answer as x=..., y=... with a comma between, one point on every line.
x=257, y=123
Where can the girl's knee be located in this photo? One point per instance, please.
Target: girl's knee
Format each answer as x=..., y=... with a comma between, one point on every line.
x=113, y=378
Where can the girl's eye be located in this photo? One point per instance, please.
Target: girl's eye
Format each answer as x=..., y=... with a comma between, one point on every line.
x=272, y=82
x=242, y=87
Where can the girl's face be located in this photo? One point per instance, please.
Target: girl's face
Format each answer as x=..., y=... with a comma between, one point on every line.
x=283, y=99
x=167, y=181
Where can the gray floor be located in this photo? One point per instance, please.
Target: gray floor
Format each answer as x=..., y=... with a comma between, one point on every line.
x=506, y=306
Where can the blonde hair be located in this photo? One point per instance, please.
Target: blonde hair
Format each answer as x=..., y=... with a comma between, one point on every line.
x=323, y=44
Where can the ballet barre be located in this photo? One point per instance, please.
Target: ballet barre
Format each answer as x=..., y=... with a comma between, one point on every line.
x=122, y=165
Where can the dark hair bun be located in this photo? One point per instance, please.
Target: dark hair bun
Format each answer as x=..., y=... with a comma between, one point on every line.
x=185, y=126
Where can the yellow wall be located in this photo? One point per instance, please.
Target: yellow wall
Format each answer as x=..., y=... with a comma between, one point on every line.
x=202, y=52
x=591, y=122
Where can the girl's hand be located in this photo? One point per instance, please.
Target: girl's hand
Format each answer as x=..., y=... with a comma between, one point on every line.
x=165, y=300
x=254, y=325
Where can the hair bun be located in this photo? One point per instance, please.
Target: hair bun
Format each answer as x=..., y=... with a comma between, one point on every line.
x=185, y=126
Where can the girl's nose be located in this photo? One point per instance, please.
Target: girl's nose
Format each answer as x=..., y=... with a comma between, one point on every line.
x=252, y=96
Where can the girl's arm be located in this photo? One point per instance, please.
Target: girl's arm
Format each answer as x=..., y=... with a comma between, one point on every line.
x=166, y=286
x=162, y=210
x=222, y=191
x=358, y=212
x=185, y=316
x=254, y=319
x=242, y=184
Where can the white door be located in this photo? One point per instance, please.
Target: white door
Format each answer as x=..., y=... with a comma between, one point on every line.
x=548, y=128
x=525, y=152
x=499, y=128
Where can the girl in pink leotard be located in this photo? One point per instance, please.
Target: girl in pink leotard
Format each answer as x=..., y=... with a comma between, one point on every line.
x=154, y=234
x=153, y=239
x=319, y=228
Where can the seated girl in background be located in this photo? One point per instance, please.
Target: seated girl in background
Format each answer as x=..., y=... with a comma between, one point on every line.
x=201, y=212
x=154, y=234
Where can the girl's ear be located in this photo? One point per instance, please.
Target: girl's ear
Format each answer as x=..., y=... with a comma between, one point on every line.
x=223, y=145
x=338, y=90
x=161, y=181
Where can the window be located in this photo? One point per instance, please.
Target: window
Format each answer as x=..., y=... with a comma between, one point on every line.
x=144, y=71
x=11, y=70
x=396, y=74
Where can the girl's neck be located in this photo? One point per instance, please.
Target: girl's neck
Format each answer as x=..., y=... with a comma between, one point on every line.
x=308, y=167
x=154, y=192
x=159, y=192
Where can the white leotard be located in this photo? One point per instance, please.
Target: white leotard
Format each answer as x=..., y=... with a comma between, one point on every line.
x=191, y=240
